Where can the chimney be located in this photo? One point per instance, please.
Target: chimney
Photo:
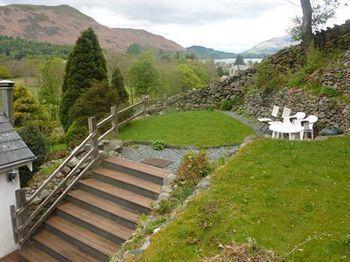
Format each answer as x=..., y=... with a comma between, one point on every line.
x=6, y=87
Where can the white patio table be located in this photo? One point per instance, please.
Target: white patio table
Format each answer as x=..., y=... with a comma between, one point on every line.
x=286, y=128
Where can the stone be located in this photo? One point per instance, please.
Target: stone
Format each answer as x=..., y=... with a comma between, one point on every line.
x=146, y=243
x=169, y=178
x=164, y=196
x=114, y=145
x=73, y=162
x=166, y=189
x=65, y=170
x=204, y=183
x=36, y=201
x=44, y=193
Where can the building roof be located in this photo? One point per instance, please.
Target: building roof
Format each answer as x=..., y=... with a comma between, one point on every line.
x=13, y=151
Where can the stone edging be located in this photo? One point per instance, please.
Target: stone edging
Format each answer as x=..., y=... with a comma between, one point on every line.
x=150, y=143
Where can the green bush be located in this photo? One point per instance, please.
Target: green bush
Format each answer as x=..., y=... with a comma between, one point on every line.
x=76, y=133
x=329, y=91
x=4, y=72
x=193, y=167
x=228, y=104
x=39, y=145
x=159, y=145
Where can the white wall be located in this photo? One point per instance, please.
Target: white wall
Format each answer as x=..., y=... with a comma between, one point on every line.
x=7, y=198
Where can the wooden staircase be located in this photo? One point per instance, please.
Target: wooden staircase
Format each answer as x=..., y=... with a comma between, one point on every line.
x=98, y=215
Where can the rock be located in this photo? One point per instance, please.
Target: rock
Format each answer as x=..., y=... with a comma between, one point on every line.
x=36, y=201
x=73, y=162
x=106, y=141
x=114, y=145
x=169, y=179
x=204, y=183
x=146, y=243
x=45, y=193
x=60, y=175
x=164, y=196
x=65, y=170
x=166, y=189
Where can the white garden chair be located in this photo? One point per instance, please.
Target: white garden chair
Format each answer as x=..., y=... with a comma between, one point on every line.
x=296, y=118
x=285, y=116
x=308, y=124
x=274, y=114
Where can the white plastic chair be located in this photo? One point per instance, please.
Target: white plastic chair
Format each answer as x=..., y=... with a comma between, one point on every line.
x=308, y=124
x=285, y=117
x=297, y=116
x=274, y=114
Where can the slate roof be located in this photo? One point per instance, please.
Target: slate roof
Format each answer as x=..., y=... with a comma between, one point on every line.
x=13, y=151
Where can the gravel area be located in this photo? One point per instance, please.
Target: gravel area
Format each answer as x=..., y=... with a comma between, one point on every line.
x=141, y=152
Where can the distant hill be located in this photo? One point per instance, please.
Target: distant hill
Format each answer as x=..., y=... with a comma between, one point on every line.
x=62, y=25
x=202, y=52
x=270, y=46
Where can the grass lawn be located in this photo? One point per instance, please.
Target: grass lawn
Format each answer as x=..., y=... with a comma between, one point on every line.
x=276, y=193
x=196, y=128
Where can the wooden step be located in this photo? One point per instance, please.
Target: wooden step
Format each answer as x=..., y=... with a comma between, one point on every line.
x=123, y=197
x=147, y=172
x=12, y=257
x=104, y=207
x=128, y=182
x=60, y=248
x=85, y=239
x=34, y=254
x=98, y=224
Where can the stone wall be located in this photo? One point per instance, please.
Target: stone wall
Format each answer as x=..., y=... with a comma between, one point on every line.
x=210, y=96
x=331, y=112
x=335, y=37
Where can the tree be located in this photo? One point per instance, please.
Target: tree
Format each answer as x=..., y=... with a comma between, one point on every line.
x=96, y=101
x=239, y=60
x=220, y=71
x=118, y=84
x=85, y=64
x=134, y=49
x=315, y=15
x=188, y=79
x=50, y=92
x=144, y=75
x=27, y=110
x=4, y=72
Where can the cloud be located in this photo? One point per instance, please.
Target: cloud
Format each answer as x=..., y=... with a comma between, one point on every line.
x=234, y=25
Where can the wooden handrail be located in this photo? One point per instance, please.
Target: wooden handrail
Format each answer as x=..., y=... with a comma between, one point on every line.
x=23, y=226
x=61, y=166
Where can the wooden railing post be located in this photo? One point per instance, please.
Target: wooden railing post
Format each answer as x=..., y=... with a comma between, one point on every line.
x=145, y=104
x=165, y=102
x=14, y=223
x=114, y=114
x=94, y=140
x=19, y=220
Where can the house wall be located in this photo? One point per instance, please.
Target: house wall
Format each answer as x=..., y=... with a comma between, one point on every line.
x=7, y=198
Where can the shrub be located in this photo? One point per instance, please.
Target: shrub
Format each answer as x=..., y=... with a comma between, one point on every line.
x=193, y=167
x=4, y=72
x=96, y=101
x=228, y=104
x=159, y=145
x=329, y=91
x=39, y=145
x=76, y=133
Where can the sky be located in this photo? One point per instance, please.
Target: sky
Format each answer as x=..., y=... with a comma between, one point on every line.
x=232, y=26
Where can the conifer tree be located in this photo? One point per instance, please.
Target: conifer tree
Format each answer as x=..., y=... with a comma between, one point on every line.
x=85, y=64
x=118, y=84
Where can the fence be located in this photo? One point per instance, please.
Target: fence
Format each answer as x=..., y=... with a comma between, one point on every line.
x=26, y=216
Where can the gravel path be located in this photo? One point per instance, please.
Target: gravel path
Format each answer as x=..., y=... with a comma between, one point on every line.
x=141, y=152
x=256, y=126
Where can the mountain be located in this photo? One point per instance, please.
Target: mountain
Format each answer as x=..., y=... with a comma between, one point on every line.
x=208, y=53
x=62, y=25
x=270, y=46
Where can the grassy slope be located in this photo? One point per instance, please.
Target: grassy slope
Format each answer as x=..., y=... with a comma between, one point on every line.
x=277, y=192
x=197, y=128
